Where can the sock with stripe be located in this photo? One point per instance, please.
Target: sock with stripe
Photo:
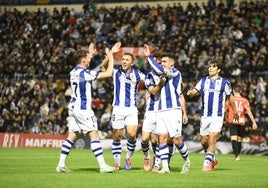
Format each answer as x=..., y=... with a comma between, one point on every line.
x=65, y=150
x=209, y=157
x=98, y=152
x=145, y=149
x=116, y=151
x=131, y=145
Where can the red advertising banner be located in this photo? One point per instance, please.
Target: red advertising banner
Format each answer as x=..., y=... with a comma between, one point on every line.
x=136, y=51
x=14, y=140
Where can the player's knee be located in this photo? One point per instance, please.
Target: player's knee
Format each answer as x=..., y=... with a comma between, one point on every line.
x=131, y=137
x=145, y=138
x=117, y=136
x=204, y=143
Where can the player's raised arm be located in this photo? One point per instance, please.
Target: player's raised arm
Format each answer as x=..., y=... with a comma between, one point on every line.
x=91, y=50
x=110, y=64
x=154, y=64
x=116, y=48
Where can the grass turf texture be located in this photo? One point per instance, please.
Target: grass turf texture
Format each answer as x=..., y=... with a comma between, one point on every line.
x=35, y=167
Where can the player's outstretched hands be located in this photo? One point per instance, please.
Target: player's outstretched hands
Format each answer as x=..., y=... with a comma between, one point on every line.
x=91, y=49
x=146, y=50
x=116, y=47
x=109, y=54
x=190, y=92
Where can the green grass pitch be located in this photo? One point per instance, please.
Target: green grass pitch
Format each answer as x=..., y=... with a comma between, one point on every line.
x=35, y=167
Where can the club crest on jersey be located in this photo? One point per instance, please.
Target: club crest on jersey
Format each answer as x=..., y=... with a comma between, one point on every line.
x=132, y=76
x=124, y=79
x=147, y=82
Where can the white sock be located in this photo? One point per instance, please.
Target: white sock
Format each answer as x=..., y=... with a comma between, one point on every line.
x=97, y=150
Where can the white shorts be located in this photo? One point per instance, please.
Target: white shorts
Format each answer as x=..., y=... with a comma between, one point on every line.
x=169, y=121
x=210, y=124
x=124, y=116
x=149, y=123
x=84, y=120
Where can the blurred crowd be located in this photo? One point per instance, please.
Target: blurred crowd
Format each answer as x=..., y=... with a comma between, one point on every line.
x=37, y=46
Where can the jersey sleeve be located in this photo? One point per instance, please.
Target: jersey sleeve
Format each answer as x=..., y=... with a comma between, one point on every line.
x=90, y=75
x=228, y=88
x=142, y=76
x=179, y=84
x=155, y=65
x=151, y=80
x=160, y=70
x=198, y=86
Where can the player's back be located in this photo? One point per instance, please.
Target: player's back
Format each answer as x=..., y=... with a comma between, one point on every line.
x=241, y=104
x=81, y=88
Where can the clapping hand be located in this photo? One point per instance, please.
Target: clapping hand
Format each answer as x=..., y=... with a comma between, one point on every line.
x=91, y=49
x=116, y=48
x=146, y=50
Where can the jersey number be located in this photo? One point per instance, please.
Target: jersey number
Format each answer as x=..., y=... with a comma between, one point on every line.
x=239, y=106
x=75, y=88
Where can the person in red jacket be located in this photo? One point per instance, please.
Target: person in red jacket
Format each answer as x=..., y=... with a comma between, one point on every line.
x=237, y=127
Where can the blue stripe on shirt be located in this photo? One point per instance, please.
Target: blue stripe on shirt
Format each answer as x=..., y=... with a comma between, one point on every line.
x=176, y=80
x=138, y=78
x=211, y=97
x=117, y=86
x=127, y=92
x=82, y=86
x=220, y=112
x=203, y=81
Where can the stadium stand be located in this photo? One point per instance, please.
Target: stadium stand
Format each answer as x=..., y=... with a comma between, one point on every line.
x=61, y=2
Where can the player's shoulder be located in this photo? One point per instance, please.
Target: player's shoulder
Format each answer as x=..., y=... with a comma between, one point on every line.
x=204, y=78
x=241, y=98
x=139, y=72
x=244, y=99
x=225, y=80
x=150, y=74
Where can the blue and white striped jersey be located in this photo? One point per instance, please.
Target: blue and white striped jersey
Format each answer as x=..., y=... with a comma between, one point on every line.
x=170, y=92
x=80, y=79
x=159, y=69
x=155, y=65
x=213, y=93
x=126, y=87
x=152, y=79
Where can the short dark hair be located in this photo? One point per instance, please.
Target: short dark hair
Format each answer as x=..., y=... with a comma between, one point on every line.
x=130, y=54
x=169, y=55
x=215, y=62
x=78, y=55
x=237, y=88
x=158, y=55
